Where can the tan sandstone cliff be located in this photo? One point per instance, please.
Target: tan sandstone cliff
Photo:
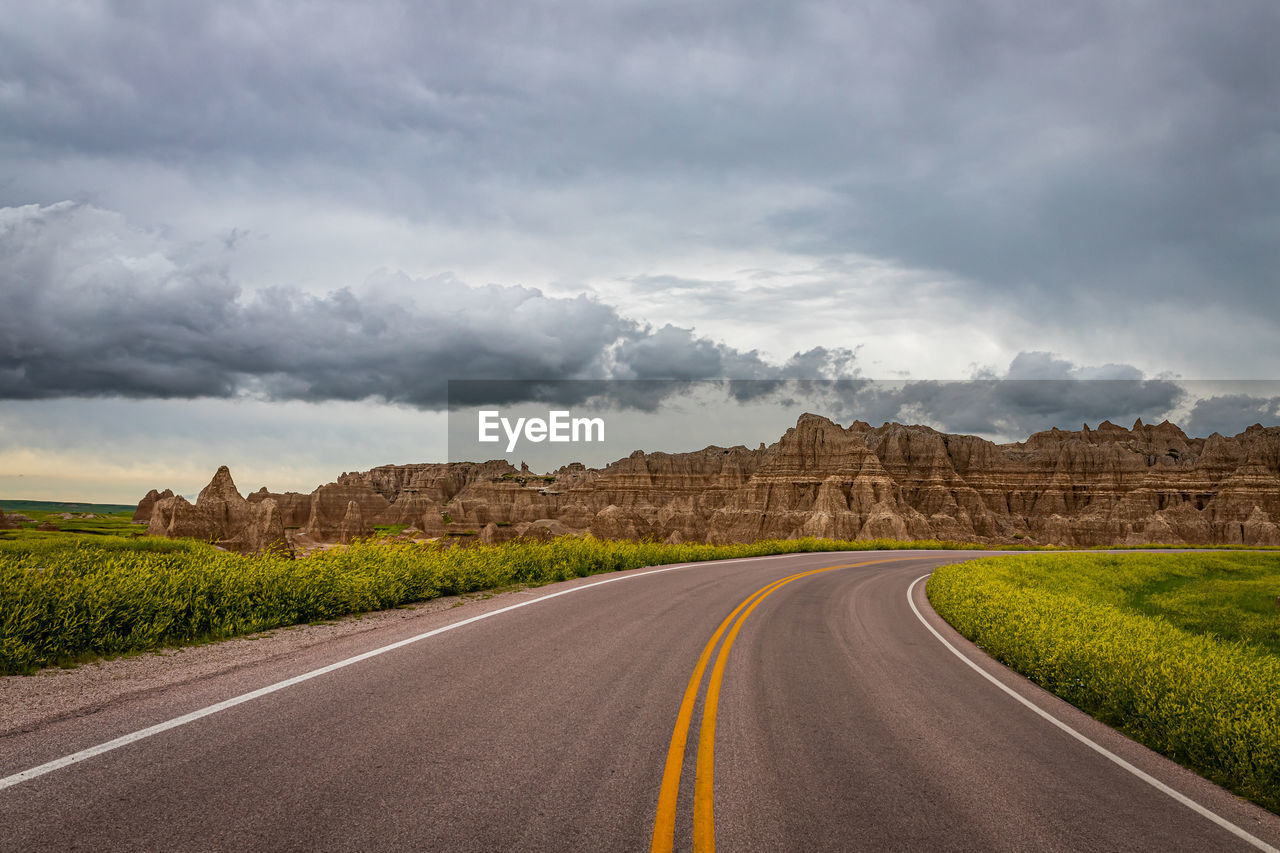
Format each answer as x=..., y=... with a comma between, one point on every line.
x=1103, y=486
x=220, y=515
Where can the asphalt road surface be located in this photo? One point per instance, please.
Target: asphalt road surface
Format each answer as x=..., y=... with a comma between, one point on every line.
x=598, y=715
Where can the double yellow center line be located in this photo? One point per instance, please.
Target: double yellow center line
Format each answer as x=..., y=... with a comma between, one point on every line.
x=704, y=829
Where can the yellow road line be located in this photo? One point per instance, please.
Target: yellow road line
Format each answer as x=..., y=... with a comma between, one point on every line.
x=664, y=824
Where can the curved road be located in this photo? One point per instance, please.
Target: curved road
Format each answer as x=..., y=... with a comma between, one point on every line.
x=841, y=722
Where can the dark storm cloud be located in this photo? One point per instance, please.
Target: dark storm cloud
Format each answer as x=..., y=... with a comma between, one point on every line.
x=1038, y=391
x=1106, y=158
x=1098, y=157
x=1018, y=407
x=95, y=307
x=1230, y=414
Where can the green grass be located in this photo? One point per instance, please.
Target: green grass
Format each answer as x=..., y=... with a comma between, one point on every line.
x=29, y=507
x=108, y=521
x=525, y=479
x=1179, y=651
x=66, y=598
x=1164, y=546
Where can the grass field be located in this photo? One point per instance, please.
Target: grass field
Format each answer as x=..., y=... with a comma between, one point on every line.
x=1179, y=651
x=109, y=520
x=29, y=507
x=66, y=598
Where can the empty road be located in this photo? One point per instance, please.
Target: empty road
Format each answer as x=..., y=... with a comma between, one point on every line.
x=767, y=704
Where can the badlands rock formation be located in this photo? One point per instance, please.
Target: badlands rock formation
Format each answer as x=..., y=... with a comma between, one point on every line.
x=142, y=515
x=1103, y=486
x=220, y=514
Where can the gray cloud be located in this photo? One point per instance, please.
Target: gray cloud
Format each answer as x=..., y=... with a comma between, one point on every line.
x=95, y=307
x=1100, y=163
x=1047, y=365
x=1106, y=157
x=1101, y=156
x=1230, y=414
x=1015, y=408
x=1038, y=391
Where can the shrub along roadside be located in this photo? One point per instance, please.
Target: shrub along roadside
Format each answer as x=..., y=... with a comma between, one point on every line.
x=1075, y=624
x=63, y=600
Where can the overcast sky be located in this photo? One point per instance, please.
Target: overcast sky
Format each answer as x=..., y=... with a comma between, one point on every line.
x=268, y=234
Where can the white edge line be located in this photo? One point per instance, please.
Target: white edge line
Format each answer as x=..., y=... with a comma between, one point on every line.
x=133, y=737
x=1096, y=747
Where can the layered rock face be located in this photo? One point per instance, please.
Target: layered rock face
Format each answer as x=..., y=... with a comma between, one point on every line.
x=221, y=515
x=1103, y=486
x=142, y=515
x=353, y=526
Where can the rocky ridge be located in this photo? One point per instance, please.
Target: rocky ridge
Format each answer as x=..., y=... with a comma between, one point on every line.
x=1102, y=486
x=146, y=506
x=221, y=515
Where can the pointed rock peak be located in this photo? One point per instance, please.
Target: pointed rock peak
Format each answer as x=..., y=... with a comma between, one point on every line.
x=808, y=419
x=220, y=488
x=1168, y=428
x=860, y=426
x=1085, y=427
x=1137, y=425
x=353, y=525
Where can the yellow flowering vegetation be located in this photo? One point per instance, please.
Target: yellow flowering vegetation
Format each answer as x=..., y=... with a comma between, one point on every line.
x=1179, y=651
x=65, y=599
